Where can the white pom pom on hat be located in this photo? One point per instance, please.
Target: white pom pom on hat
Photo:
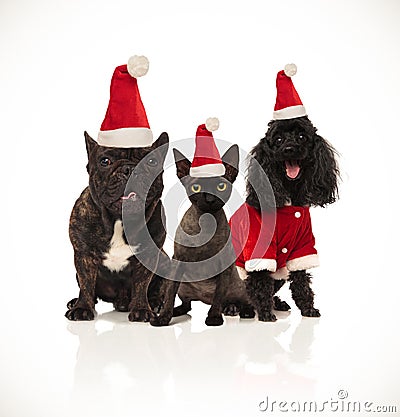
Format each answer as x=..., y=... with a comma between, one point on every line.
x=290, y=70
x=212, y=124
x=137, y=66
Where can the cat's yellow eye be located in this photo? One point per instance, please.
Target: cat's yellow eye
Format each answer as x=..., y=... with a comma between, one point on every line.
x=196, y=188
x=221, y=186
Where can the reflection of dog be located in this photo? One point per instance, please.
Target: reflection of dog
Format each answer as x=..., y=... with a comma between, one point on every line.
x=105, y=263
x=114, y=376
x=302, y=171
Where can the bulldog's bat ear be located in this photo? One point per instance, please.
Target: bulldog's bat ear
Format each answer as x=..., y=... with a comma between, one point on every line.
x=230, y=159
x=182, y=164
x=91, y=144
x=162, y=144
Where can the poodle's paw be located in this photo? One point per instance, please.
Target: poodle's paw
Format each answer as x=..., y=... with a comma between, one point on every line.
x=159, y=321
x=266, y=316
x=280, y=305
x=142, y=315
x=180, y=311
x=71, y=303
x=231, y=310
x=247, y=312
x=214, y=320
x=80, y=313
x=311, y=312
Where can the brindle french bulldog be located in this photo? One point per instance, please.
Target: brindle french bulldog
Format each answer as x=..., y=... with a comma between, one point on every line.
x=105, y=261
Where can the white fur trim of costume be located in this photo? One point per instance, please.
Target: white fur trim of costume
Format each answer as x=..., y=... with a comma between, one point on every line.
x=117, y=258
x=281, y=273
x=207, y=170
x=305, y=262
x=212, y=124
x=242, y=273
x=260, y=265
x=137, y=66
x=126, y=137
x=289, y=112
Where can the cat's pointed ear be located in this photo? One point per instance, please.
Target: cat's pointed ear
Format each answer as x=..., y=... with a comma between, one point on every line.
x=230, y=159
x=182, y=164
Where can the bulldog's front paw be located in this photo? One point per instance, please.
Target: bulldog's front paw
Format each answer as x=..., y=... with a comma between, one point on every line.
x=266, y=316
x=80, y=313
x=214, y=320
x=159, y=321
x=71, y=303
x=311, y=312
x=141, y=315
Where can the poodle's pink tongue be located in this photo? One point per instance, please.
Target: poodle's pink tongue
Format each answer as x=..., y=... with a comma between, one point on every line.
x=292, y=169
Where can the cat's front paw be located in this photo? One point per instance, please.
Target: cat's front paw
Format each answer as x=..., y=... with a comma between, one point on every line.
x=231, y=310
x=159, y=321
x=214, y=320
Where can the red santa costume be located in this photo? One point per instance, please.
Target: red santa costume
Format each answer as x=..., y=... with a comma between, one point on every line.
x=278, y=241
x=281, y=240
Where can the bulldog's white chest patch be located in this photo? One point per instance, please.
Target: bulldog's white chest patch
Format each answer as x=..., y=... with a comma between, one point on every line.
x=116, y=259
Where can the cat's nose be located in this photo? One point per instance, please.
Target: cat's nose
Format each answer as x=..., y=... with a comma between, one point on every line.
x=210, y=198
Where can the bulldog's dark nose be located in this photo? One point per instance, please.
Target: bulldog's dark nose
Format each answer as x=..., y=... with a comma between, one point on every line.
x=288, y=151
x=126, y=170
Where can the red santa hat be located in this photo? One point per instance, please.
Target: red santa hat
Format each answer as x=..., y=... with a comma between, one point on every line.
x=207, y=160
x=125, y=124
x=288, y=103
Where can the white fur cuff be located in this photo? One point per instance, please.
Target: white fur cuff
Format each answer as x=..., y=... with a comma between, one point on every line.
x=260, y=265
x=305, y=262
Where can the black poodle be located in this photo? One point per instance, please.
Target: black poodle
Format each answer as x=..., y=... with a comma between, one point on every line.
x=303, y=172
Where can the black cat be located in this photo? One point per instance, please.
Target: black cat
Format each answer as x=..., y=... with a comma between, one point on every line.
x=203, y=262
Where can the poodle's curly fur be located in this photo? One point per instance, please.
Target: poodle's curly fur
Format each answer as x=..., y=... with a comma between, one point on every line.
x=293, y=139
x=292, y=142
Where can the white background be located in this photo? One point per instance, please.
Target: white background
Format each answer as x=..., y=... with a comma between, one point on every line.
x=207, y=58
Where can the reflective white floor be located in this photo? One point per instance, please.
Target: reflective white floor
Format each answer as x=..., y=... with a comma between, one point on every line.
x=111, y=367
